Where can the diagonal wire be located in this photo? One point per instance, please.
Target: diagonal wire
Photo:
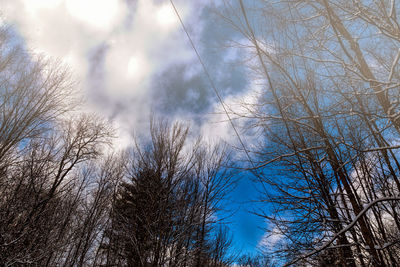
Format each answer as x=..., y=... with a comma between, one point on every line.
x=212, y=84
x=255, y=170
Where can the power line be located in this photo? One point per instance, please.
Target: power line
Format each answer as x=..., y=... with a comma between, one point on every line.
x=253, y=165
x=212, y=83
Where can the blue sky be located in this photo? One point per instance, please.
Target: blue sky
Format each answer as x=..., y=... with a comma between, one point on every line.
x=131, y=58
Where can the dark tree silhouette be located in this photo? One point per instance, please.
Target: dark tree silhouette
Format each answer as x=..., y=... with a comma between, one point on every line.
x=163, y=213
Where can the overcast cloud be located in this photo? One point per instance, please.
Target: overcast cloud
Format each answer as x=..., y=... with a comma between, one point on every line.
x=132, y=58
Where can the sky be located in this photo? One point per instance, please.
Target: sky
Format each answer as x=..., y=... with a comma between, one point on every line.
x=132, y=59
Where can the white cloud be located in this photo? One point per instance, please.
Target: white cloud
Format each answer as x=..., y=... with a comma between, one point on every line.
x=217, y=125
x=140, y=50
x=102, y=15
x=34, y=6
x=166, y=16
x=66, y=28
x=71, y=29
x=271, y=238
x=125, y=138
x=136, y=67
x=127, y=69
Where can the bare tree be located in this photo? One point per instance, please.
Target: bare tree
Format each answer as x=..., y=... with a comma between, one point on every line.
x=330, y=117
x=50, y=212
x=34, y=92
x=163, y=212
x=42, y=192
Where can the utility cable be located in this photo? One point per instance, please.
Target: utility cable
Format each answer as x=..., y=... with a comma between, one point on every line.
x=212, y=84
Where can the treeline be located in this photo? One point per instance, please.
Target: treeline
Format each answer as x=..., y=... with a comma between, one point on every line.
x=329, y=117
x=67, y=200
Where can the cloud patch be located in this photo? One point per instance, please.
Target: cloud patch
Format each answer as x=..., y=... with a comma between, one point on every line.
x=132, y=57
